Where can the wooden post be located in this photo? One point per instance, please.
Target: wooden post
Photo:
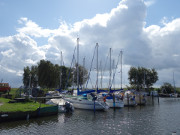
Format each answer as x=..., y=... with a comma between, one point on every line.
x=139, y=98
x=114, y=101
x=94, y=106
x=128, y=99
x=152, y=98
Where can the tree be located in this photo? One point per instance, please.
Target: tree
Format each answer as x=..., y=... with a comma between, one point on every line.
x=167, y=88
x=141, y=77
x=49, y=75
x=83, y=75
x=30, y=74
x=66, y=77
x=26, y=76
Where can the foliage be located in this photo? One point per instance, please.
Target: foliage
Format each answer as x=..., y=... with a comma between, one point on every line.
x=30, y=75
x=167, y=88
x=48, y=75
x=83, y=75
x=141, y=77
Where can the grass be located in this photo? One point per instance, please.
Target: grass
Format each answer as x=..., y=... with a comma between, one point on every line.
x=19, y=107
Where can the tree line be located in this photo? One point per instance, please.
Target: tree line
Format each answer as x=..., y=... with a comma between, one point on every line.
x=48, y=75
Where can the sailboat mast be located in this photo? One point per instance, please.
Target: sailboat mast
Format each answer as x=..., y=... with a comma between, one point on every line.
x=83, y=72
x=174, y=83
x=121, y=67
x=110, y=71
x=113, y=73
x=97, y=65
x=101, y=72
x=78, y=64
x=60, y=79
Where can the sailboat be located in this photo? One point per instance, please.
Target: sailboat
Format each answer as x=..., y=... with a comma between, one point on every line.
x=113, y=98
x=85, y=99
x=129, y=98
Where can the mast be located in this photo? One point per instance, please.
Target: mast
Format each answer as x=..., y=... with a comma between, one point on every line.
x=78, y=65
x=83, y=72
x=101, y=72
x=121, y=67
x=113, y=73
x=174, y=83
x=60, y=79
x=97, y=65
x=110, y=71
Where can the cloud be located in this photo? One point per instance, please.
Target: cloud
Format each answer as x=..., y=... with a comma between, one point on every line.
x=16, y=52
x=123, y=28
x=149, y=2
x=32, y=29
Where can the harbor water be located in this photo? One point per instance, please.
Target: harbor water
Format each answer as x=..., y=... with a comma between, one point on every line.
x=152, y=119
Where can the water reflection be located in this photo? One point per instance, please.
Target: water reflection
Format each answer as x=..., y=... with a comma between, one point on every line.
x=152, y=119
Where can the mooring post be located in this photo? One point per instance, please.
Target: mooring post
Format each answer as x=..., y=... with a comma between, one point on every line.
x=128, y=99
x=114, y=101
x=94, y=107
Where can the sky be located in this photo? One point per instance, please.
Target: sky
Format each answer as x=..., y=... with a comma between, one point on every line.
x=146, y=31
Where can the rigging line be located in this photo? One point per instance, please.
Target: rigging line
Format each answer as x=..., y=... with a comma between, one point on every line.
x=91, y=82
x=91, y=66
x=105, y=65
x=115, y=69
x=73, y=59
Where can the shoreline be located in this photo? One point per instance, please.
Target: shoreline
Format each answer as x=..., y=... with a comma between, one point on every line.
x=19, y=115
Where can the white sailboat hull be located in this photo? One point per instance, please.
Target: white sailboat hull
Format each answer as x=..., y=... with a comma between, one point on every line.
x=117, y=103
x=130, y=102
x=87, y=104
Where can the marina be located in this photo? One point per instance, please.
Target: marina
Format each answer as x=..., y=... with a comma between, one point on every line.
x=90, y=67
x=152, y=119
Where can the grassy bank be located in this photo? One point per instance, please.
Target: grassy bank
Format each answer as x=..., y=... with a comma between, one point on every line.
x=19, y=107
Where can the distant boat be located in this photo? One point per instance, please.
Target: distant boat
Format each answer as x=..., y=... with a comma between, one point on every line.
x=63, y=106
x=129, y=98
x=140, y=98
x=112, y=98
x=87, y=101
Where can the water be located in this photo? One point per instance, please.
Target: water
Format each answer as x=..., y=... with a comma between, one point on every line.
x=152, y=119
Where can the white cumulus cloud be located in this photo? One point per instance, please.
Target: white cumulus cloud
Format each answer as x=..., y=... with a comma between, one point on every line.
x=123, y=28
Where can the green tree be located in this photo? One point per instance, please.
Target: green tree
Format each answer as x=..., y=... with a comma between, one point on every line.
x=30, y=74
x=26, y=76
x=83, y=75
x=142, y=77
x=66, y=77
x=48, y=75
x=167, y=88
